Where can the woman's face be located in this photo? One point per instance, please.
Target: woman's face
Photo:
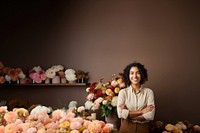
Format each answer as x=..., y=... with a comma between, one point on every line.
x=135, y=76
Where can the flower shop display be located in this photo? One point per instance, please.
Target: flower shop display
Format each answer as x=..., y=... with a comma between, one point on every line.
x=70, y=75
x=37, y=74
x=56, y=74
x=42, y=119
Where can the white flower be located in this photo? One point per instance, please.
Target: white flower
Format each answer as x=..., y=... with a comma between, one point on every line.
x=8, y=78
x=70, y=75
x=89, y=105
x=37, y=69
x=88, y=89
x=81, y=109
x=105, y=102
x=114, y=101
x=70, y=71
x=50, y=73
x=57, y=68
x=21, y=75
x=40, y=108
x=72, y=104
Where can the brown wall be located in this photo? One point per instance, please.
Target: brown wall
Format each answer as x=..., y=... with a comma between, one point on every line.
x=102, y=36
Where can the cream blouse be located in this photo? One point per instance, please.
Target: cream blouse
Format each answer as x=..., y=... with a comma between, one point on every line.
x=135, y=101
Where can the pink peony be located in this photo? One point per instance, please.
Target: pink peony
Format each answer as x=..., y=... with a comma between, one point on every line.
x=3, y=109
x=36, y=77
x=31, y=130
x=95, y=126
x=114, y=83
x=78, y=119
x=96, y=105
x=56, y=114
x=75, y=125
x=86, y=123
x=23, y=126
x=52, y=125
x=11, y=128
x=2, y=129
x=74, y=131
x=86, y=131
x=11, y=117
x=70, y=115
x=81, y=109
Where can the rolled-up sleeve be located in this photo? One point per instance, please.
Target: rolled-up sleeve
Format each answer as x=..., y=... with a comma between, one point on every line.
x=150, y=101
x=122, y=113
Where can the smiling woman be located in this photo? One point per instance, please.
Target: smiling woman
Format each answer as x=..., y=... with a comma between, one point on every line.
x=136, y=105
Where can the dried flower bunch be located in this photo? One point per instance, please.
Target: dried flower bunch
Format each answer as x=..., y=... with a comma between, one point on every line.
x=9, y=74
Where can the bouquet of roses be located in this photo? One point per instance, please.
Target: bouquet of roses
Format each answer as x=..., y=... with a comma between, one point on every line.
x=37, y=74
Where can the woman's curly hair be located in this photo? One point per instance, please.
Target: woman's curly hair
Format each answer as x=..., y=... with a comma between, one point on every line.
x=142, y=69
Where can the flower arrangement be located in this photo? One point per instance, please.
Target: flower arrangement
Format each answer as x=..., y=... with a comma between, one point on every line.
x=82, y=76
x=20, y=120
x=104, y=96
x=70, y=75
x=10, y=74
x=37, y=74
x=55, y=70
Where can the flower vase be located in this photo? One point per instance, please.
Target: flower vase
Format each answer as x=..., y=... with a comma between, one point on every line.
x=113, y=119
x=47, y=81
x=63, y=80
x=56, y=80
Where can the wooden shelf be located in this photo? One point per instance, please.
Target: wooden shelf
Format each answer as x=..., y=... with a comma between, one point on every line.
x=53, y=85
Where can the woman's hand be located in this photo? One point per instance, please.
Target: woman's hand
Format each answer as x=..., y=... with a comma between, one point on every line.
x=123, y=106
x=147, y=109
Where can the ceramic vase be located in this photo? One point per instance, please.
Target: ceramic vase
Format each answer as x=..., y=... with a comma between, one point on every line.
x=56, y=80
x=113, y=119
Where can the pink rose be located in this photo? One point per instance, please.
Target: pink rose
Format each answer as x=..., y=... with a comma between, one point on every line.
x=81, y=109
x=90, y=96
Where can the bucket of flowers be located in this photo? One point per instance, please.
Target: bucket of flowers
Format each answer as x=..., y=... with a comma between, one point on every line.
x=103, y=96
